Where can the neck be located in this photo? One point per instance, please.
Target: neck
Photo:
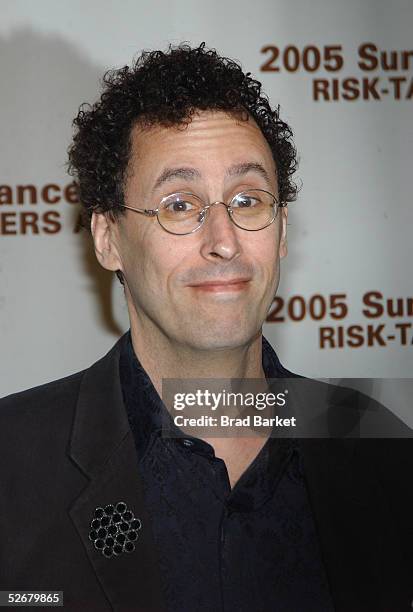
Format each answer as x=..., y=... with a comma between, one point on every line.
x=163, y=358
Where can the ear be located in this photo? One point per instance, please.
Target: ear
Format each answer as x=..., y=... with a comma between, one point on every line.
x=283, y=238
x=104, y=238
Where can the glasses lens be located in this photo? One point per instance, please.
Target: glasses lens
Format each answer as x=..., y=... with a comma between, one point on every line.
x=181, y=213
x=253, y=210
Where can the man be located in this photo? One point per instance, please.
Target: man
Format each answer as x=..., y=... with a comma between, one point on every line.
x=185, y=173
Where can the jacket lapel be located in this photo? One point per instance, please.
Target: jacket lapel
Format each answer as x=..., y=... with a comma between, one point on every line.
x=102, y=446
x=338, y=518
x=358, y=541
x=358, y=536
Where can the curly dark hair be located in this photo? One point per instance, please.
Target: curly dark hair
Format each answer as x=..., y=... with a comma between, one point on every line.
x=166, y=89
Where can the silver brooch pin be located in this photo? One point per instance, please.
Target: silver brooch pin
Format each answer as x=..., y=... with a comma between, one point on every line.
x=114, y=529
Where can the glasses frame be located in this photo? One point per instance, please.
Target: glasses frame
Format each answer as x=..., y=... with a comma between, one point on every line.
x=152, y=212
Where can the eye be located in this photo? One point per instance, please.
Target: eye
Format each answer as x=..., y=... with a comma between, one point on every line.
x=245, y=201
x=180, y=213
x=179, y=206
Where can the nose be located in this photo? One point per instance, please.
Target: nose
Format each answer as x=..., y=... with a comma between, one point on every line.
x=220, y=238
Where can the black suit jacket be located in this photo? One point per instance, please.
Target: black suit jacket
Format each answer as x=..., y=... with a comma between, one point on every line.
x=67, y=448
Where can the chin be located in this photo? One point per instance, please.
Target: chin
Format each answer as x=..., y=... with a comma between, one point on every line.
x=210, y=339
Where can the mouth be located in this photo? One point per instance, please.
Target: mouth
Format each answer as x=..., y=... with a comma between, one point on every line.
x=219, y=286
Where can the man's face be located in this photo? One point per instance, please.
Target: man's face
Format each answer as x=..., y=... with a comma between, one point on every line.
x=211, y=289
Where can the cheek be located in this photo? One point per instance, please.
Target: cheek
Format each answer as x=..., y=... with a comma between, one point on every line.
x=265, y=252
x=153, y=262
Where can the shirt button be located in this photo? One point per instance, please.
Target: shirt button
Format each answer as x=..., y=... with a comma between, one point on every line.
x=187, y=443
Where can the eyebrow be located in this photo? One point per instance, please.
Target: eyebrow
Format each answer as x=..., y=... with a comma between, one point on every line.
x=191, y=174
x=244, y=168
x=172, y=173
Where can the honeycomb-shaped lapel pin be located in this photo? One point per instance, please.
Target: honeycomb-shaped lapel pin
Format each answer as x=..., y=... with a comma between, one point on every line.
x=114, y=529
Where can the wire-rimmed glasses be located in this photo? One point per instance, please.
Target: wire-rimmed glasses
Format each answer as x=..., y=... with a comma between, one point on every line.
x=184, y=213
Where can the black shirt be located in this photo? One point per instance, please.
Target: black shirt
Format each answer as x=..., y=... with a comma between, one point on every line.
x=250, y=549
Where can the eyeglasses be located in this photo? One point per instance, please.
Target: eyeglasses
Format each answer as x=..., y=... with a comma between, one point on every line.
x=184, y=213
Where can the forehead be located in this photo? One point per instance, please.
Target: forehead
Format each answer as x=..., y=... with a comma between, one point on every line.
x=211, y=139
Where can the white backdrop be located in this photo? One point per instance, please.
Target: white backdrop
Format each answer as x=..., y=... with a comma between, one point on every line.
x=350, y=233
